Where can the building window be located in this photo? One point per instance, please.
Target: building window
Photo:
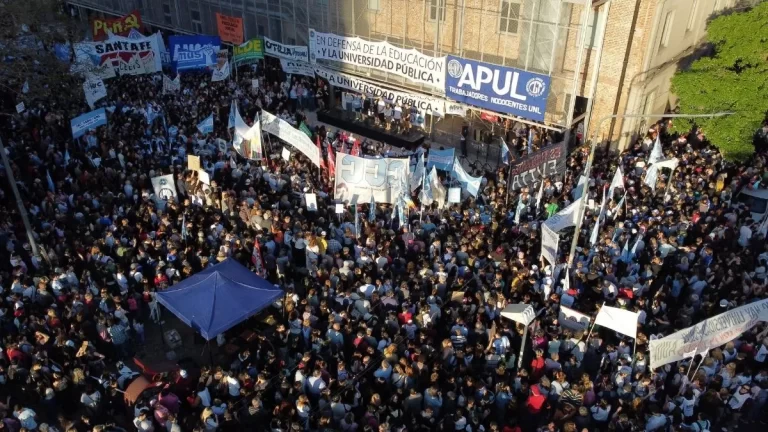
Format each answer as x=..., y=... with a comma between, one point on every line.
x=509, y=16
x=197, y=22
x=593, y=29
x=692, y=17
x=667, y=32
x=374, y=5
x=437, y=10
x=167, y=14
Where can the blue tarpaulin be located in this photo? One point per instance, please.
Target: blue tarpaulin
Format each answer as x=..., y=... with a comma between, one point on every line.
x=219, y=297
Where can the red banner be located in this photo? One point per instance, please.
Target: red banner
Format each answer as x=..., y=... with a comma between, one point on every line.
x=230, y=29
x=118, y=26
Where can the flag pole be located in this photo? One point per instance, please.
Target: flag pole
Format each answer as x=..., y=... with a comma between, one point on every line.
x=693, y=360
x=589, y=335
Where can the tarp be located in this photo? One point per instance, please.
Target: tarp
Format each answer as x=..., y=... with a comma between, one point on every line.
x=219, y=297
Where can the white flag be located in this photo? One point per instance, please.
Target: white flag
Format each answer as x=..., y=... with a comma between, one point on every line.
x=539, y=195
x=620, y=320
x=668, y=163
x=656, y=153
x=417, y=176
x=651, y=176
x=565, y=218
x=595, y=232
x=618, y=181
x=221, y=74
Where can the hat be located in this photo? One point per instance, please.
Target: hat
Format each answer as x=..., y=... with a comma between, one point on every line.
x=723, y=303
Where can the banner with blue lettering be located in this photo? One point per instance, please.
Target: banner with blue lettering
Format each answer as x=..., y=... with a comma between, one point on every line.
x=498, y=88
x=441, y=159
x=193, y=52
x=84, y=123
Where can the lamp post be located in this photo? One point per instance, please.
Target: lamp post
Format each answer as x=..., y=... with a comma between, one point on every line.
x=588, y=168
x=19, y=201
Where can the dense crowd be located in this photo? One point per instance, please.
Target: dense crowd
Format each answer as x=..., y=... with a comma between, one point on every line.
x=390, y=328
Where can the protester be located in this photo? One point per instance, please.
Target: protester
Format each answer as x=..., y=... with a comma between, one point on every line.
x=385, y=327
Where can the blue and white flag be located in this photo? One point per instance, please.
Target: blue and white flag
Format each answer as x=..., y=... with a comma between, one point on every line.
x=504, y=152
x=620, y=206
x=184, y=227
x=82, y=124
x=417, y=176
x=206, y=126
x=220, y=74
x=468, y=183
x=151, y=114
x=595, y=231
x=442, y=159
x=66, y=158
x=580, y=186
x=372, y=211
x=625, y=254
x=134, y=34
x=232, y=114
x=51, y=186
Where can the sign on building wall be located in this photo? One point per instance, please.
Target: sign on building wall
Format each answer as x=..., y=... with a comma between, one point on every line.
x=248, y=52
x=193, y=52
x=409, y=63
x=101, y=27
x=497, y=88
x=288, y=52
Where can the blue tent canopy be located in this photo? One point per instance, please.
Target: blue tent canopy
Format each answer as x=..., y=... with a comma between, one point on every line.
x=219, y=297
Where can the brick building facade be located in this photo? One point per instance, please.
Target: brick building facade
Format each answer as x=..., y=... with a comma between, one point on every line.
x=634, y=46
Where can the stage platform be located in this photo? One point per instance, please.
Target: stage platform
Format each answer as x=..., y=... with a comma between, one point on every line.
x=346, y=120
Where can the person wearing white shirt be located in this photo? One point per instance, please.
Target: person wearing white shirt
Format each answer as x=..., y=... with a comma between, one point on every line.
x=655, y=422
x=315, y=383
x=26, y=417
x=739, y=398
x=762, y=352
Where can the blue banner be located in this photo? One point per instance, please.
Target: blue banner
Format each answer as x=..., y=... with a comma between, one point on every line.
x=84, y=123
x=441, y=159
x=193, y=52
x=497, y=88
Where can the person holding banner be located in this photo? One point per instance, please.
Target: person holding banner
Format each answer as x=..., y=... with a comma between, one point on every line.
x=463, y=313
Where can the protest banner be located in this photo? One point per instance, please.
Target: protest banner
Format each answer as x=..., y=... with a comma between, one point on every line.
x=248, y=52
x=294, y=67
x=283, y=130
x=288, y=52
x=424, y=103
x=230, y=28
x=619, y=320
x=545, y=163
x=357, y=179
x=497, y=88
x=382, y=56
x=550, y=241
x=708, y=334
x=118, y=56
x=165, y=188
x=82, y=124
x=193, y=52
x=311, y=201
x=573, y=320
x=193, y=162
x=441, y=159
x=102, y=27
x=94, y=90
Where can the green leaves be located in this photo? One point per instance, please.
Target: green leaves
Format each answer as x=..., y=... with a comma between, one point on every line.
x=734, y=79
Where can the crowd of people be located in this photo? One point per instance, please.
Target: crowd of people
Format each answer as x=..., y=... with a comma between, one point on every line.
x=387, y=328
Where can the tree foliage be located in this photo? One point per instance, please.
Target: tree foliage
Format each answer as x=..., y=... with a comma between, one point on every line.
x=29, y=30
x=734, y=78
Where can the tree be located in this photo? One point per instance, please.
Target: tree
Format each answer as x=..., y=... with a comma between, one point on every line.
x=29, y=33
x=733, y=78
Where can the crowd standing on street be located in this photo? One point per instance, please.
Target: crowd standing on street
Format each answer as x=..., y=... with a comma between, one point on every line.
x=390, y=328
